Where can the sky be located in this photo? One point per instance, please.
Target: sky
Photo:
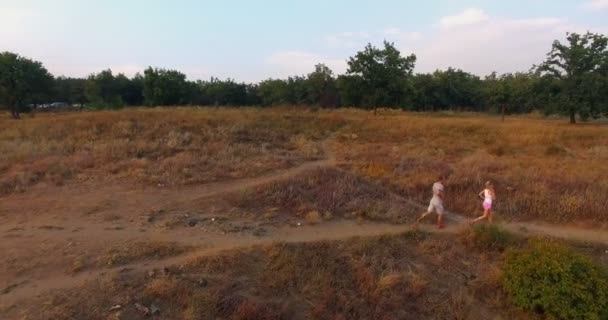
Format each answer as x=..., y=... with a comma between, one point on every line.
x=255, y=40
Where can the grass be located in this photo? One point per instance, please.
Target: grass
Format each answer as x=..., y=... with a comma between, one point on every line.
x=136, y=251
x=542, y=169
x=170, y=147
x=411, y=275
x=326, y=193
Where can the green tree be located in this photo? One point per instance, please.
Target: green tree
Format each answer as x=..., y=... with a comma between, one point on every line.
x=580, y=65
x=130, y=90
x=322, y=87
x=273, y=92
x=510, y=92
x=425, y=90
x=297, y=91
x=103, y=90
x=163, y=87
x=350, y=90
x=383, y=74
x=22, y=81
x=457, y=89
x=70, y=90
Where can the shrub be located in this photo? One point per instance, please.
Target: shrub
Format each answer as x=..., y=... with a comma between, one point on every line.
x=489, y=237
x=550, y=278
x=313, y=217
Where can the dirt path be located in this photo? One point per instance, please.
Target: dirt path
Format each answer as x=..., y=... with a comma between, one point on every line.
x=339, y=230
x=71, y=202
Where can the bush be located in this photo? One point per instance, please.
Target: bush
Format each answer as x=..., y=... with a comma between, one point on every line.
x=489, y=237
x=550, y=278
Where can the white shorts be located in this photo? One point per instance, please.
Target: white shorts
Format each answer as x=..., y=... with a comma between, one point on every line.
x=436, y=205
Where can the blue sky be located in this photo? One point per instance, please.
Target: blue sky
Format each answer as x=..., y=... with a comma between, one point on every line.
x=254, y=40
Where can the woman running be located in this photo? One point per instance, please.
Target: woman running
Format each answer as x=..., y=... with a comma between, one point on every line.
x=488, y=195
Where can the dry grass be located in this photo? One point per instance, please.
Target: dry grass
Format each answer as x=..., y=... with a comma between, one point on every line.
x=388, y=277
x=175, y=146
x=313, y=217
x=542, y=169
x=329, y=191
x=135, y=251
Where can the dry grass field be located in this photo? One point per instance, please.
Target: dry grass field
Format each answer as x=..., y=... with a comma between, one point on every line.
x=281, y=213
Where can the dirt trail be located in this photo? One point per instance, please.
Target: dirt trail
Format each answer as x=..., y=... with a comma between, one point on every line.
x=72, y=201
x=76, y=200
x=339, y=230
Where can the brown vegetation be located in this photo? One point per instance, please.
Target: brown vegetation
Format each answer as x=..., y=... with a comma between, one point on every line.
x=388, y=277
x=149, y=146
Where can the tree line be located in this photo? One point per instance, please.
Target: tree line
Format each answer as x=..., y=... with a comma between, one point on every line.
x=572, y=81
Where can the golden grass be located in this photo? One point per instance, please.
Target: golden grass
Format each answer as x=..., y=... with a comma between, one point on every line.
x=387, y=277
x=542, y=169
x=332, y=192
x=135, y=251
x=171, y=146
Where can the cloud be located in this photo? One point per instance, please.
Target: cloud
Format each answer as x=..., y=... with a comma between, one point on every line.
x=598, y=4
x=482, y=44
x=395, y=34
x=348, y=39
x=467, y=17
x=358, y=39
x=289, y=63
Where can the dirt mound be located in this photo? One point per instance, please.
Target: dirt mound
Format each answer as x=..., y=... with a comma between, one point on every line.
x=330, y=193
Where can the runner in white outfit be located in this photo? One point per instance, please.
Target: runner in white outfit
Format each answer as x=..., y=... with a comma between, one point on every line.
x=436, y=203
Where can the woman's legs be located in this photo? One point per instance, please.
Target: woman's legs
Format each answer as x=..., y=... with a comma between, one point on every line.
x=486, y=214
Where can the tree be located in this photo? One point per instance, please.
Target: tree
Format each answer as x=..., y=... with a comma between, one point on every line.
x=273, y=92
x=424, y=92
x=164, y=87
x=22, y=81
x=384, y=73
x=580, y=66
x=131, y=90
x=104, y=90
x=70, y=90
x=455, y=88
x=322, y=87
x=511, y=92
x=350, y=90
x=297, y=91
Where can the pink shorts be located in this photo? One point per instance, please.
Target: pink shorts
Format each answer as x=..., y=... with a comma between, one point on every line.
x=487, y=205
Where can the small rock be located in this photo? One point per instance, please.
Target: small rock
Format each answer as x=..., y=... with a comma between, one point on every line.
x=299, y=224
x=192, y=222
x=203, y=283
x=142, y=309
x=212, y=219
x=151, y=273
x=116, y=307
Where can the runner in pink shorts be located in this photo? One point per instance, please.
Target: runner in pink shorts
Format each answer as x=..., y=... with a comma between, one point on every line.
x=488, y=195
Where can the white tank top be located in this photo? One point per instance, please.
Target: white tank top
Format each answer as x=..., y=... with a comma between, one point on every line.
x=487, y=195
